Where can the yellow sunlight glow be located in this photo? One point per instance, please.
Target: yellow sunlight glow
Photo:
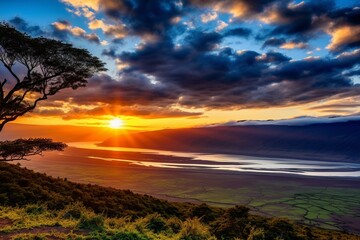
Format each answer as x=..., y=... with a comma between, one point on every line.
x=116, y=123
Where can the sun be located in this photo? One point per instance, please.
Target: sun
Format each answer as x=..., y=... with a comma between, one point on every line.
x=116, y=123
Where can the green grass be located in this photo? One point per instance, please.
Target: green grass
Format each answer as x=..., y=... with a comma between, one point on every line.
x=35, y=206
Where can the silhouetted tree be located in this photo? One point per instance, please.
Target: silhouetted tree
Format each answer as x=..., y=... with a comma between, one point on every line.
x=21, y=148
x=43, y=68
x=39, y=68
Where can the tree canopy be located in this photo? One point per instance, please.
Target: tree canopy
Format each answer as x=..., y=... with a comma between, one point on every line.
x=21, y=148
x=39, y=68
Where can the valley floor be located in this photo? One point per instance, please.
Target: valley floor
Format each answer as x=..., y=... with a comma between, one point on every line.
x=328, y=202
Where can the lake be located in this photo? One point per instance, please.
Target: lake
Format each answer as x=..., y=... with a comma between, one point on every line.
x=239, y=163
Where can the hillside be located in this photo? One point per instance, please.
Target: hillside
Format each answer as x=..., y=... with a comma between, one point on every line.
x=34, y=204
x=315, y=141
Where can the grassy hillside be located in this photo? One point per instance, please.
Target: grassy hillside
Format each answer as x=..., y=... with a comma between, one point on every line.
x=35, y=206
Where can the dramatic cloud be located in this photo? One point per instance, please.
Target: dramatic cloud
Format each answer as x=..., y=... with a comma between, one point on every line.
x=93, y=4
x=101, y=110
x=274, y=42
x=238, y=8
x=293, y=45
x=221, y=25
x=86, y=12
x=344, y=29
x=116, y=31
x=207, y=17
x=171, y=55
x=143, y=17
x=239, y=31
x=199, y=74
x=64, y=28
x=60, y=30
x=23, y=26
x=302, y=19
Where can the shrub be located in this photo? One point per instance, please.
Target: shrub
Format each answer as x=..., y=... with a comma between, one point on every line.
x=257, y=234
x=92, y=223
x=205, y=213
x=282, y=229
x=156, y=223
x=174, y=224
x=193, y=229
x=232, y=223
x=73, y=211
x=35, y=209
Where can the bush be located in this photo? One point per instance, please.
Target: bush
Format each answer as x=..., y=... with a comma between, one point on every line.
x=156, y=223
x=92, y=223
x=193, y=229
x=205, y=213
x=73, y=211
x=35, y=209
x=257, y=234
x=174, y=224
x=232, y=223
x=281, y=229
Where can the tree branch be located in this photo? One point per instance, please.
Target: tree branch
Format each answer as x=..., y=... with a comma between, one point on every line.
x=21, y=148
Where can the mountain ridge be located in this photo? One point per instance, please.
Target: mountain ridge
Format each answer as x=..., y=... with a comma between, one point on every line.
x=313, y=141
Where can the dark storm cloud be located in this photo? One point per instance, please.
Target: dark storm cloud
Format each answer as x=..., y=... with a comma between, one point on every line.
x=302, y=19
x=239, y=32
x=142, y=16
x=203, y=41
x=274, y=42
x=307, y=20
x=23, y=26
x=345, y=29
x=129, y=89
x=274, y=57
x=346, y=16
x=299, y=20
x=243, y=8
x=111, y=52
x=202, y=75
x=182, y=67
x=131, y=94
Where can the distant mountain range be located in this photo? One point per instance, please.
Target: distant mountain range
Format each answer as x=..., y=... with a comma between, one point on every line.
x=338, y=141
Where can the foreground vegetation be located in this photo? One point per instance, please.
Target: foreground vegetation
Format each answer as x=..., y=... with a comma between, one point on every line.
x=35, y=206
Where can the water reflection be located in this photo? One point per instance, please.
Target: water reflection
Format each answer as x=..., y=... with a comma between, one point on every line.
x=239, y=163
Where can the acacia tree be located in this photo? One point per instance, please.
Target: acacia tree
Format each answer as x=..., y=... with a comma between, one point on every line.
x=20, y=149
x=38, y=68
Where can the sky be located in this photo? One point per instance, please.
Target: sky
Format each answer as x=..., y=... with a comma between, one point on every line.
x=184, y=63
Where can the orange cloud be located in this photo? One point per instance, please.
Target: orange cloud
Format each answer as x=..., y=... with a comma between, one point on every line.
x=61, y=26
x=99, y=111
x=76, y=31
x=93, y=4
x=117, y=31
x=343, y=35
x=293, y=45
x=237, y=9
